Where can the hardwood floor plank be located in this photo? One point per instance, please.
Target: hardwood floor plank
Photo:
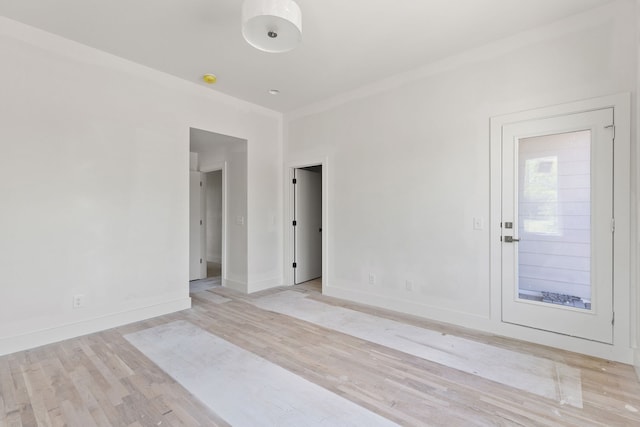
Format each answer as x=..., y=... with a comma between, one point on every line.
x=14, y=419
x=100, y=379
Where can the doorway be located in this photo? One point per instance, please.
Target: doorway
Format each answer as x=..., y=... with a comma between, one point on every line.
x=557, y=231
x=218, y=247
x=213, y=224
x=307, y=224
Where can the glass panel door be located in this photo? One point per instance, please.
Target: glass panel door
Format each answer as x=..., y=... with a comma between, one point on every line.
x=557, y=210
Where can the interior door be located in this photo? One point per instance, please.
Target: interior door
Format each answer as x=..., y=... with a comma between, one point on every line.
x=557, y=224
x=308, y=225
x=195, y=225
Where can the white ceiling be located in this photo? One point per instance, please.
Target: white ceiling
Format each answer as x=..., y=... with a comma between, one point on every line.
x=346, y=43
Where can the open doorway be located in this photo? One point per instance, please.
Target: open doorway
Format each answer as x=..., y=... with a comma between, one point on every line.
x=307, y=224
x=213, y=224
x=218, y=247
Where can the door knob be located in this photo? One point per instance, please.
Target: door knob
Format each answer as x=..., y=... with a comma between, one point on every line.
x=510, y=239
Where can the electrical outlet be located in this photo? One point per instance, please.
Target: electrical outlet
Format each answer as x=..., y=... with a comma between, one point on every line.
x=408, y=285
x=78, y=301
x=372, y=279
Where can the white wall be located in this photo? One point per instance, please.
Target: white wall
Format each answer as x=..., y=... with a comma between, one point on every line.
x=409, y=160
x=94, y=186
x=635, y=201
x=193, y=161
x=213, y=219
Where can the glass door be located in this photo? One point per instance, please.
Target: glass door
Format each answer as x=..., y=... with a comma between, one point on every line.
x=557, y=228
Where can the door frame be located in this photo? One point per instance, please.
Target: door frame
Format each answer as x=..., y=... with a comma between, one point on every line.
x=222, y=167
x=199, y=255
x=289, y=211
x=621, y=103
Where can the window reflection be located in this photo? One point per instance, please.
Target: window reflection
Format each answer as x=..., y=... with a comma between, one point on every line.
x=554, y=219
x=540, y=193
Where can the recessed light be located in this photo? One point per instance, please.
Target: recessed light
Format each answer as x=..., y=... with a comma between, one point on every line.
x=274, y=91
x=209, y=78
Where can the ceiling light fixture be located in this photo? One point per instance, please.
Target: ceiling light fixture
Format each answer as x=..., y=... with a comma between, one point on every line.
x=272, y=25
x=274, y=91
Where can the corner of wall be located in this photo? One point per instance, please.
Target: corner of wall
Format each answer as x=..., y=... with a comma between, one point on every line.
x=193, y=162
x=264, y=284
x=235, y=285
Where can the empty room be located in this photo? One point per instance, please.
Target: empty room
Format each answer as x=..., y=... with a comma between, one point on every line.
x=319, y=213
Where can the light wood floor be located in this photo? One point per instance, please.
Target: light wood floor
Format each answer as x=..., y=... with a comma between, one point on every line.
x=100, y=379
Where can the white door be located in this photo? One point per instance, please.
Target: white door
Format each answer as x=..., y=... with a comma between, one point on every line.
x=308, y=225
x=557, y=224
x=195, y=225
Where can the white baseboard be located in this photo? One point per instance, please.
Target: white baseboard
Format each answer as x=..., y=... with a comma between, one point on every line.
x=636, y=362
x=63, y=332
x=264, y=284
x=236, y=286
x=405, y=306
x=616, y=353
x=248, y=288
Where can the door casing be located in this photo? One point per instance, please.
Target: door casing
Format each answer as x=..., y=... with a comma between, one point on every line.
x=195, y=225
x=289, y=276
x=621, y=349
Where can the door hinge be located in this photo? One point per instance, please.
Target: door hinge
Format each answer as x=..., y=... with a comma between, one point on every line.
x=612, y=127
x=613, y=225
x=200, y=260
x=295, y=223
x=613, y=318
x=295, y=181
x=295, y=265
x=200, y=183
x=200, y=222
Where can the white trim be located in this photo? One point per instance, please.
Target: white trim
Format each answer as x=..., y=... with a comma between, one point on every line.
x=481, y=323
x=235, y=285
x=263, y=285
x=203, y=226
x=72, y=330
x=288, y=217
x=621, y=348
x=425, y=311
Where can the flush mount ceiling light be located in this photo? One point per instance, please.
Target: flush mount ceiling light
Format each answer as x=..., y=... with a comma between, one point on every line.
x=272, y=25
